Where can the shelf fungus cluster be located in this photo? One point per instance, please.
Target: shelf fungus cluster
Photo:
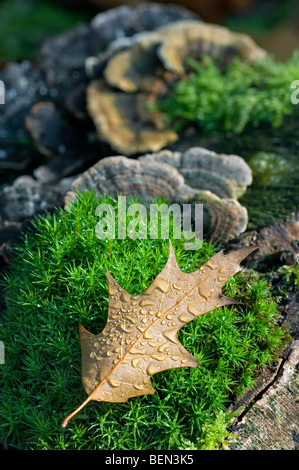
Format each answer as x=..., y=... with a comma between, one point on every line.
x=139, y=72
x=90, y=93
x=45, y=111
x=197, y=176
x=91, y=90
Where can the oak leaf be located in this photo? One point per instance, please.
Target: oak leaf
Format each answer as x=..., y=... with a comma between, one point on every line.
x=140, y=336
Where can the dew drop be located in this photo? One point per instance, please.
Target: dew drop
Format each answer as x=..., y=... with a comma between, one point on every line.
x=136, y=361
x=158, y=283
x=138, y=386
x=152, y=369
x=128, y=318
x=115, y=304
x=204, y=291
x=184, y=317
x=114, y=383
x=148, y=335
x=158, y=357
x=163, y=347
x=211, y=265
x=125, y=297
x=192, y=309
x=112, y=290
x=146, y=302
x=135, y=350
x=176, y=286
x=171, y=335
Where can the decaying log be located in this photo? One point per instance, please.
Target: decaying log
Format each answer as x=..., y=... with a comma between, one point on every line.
x=272, y=423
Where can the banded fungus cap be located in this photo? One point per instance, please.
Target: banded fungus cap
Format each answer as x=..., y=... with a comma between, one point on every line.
x=142, y=71
x=123, y=121
x=149, y=180
x=227, y=176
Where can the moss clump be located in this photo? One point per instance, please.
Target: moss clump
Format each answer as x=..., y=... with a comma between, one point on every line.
x=291, y=274
x=229, y=99
x=58, y=278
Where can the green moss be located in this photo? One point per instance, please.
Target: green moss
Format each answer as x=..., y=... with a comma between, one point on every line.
x=268, y=169
x=58, y=278
x=229, y=99
x=291, y=274
x=273, y=194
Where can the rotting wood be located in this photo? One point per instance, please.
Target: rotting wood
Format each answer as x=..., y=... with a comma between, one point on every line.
x=272, y=423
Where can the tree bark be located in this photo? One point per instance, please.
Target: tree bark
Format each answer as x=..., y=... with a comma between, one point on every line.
x=272, y=422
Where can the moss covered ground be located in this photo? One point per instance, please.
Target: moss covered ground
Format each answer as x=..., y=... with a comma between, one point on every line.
x=58, y=279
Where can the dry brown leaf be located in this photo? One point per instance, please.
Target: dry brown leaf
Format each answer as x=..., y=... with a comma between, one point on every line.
x=140, y=336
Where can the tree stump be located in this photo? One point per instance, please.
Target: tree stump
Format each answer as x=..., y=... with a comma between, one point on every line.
x=272, y=423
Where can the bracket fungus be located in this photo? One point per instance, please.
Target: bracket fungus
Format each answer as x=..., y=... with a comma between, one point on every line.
x=211, y=10
x=227, y=176
x=63, y=140
x=20, y=202
x=142, y=70
x=148, y=179
x=121, y=175
x=104, y=77
x=122, y=123
x=194, y=38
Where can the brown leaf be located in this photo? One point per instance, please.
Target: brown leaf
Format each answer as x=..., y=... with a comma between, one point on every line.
x=140, y=336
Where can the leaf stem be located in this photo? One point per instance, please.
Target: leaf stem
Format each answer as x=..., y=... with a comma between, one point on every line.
x=66, y=420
